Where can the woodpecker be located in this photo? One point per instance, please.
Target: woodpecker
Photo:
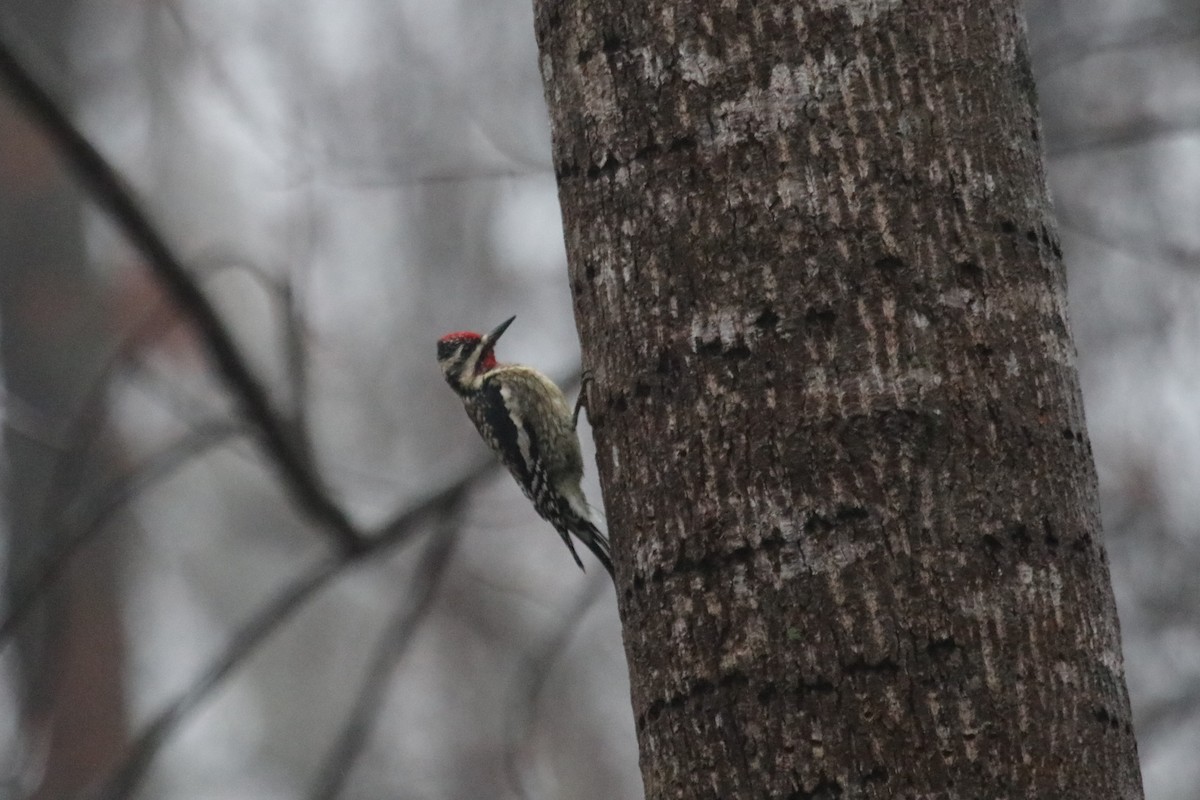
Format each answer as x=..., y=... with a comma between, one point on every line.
x=524, y=417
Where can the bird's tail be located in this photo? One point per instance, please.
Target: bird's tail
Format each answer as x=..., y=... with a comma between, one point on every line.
x=595, y=541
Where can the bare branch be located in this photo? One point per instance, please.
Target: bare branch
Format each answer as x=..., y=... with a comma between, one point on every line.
x=392, y=647
x=381, y=175
x=76, y=437
x=1133, y=244
x=124, y=782
x=85, y=424
x=293, y=325
x=1141, y=130
x=113, y=195
x=161, y=466
x=1070, y=49
x=531, y=680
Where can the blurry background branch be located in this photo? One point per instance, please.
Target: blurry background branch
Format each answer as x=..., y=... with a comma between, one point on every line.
x=286, y=603
x=113, y=195
x=284, y=439
x=394, y=643
x=530, y=680
x=78, y=529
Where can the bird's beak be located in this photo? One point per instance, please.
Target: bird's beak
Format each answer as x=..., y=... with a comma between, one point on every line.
x=492, y=337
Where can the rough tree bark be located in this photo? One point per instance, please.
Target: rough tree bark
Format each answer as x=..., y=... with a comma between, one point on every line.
x=839, y=426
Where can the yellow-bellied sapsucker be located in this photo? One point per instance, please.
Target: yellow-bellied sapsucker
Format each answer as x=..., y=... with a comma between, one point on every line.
x=525, y=419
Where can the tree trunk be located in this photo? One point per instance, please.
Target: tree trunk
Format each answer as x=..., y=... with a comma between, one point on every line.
x=838, y=422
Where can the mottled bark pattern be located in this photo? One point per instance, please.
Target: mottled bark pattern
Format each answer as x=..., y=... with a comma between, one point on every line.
x=840, y=437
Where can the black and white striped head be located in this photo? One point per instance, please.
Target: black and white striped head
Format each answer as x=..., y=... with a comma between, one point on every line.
x=465, y=356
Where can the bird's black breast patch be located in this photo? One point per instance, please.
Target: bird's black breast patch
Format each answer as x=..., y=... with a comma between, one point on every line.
x=500, y=426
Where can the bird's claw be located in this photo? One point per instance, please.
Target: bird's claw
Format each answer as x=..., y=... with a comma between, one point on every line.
x=581, y=401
